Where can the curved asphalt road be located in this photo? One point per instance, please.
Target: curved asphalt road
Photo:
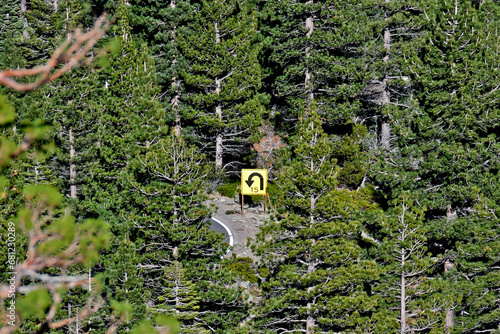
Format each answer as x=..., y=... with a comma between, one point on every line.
x=220, y=227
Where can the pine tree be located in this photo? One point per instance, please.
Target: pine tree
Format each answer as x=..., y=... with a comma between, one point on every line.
x=316, y=272
x=114, y=116
x=11, y=29
x=314, y=52
x=181, y=299
x=40, y=32
x=127, y=117
x=167, y=188
x=158, y=23
x=446, y=149
x=223, y=77
x=406, y=268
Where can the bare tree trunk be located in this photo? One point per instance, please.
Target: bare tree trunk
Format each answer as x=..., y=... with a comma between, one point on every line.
x=385, y=134
x=55, y=5
x=449, y=266
x=175, y=105
x=25, y=24
x=72, y=167
x=218, y=140
x=218, y=112
x=403, y=296
x=176, y=290
x=176, y=86
x=311, y=321
x=450, y=313
x=307, y=81
x=385, y=131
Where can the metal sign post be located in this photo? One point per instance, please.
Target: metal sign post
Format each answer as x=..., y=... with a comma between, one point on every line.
x=249, y=186
x=265, y=203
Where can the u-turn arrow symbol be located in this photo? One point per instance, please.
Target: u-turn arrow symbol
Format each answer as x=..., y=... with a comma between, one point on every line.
x=250, y=181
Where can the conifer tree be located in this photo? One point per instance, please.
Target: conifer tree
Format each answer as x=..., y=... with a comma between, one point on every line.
x=316, y=273
x=40, y=32
x=447, y=150
x=223, y=77
x=127, y=117
x=11, y=29
x=388, y=90
x=181, y=299
x=314, y=53
x=158, y=23
x=113, y=117
x=167, y=194
x=405, y=281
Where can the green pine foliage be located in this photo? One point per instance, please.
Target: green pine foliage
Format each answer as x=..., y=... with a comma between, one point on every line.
x=411, y=85
x=158, y=23
x=447, y=149
x=312, y=51
x=181, y=299
x=168, y=192
x=223, y=77
x=12, y=25
x=406, y=281
x=317, y=274
x=39, y=33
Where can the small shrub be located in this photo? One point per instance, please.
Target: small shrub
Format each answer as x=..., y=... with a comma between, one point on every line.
x=256, y=198
x=231, y=212
x=228, y=189
x=272, y=189
x=242, y=266
x=263, y=271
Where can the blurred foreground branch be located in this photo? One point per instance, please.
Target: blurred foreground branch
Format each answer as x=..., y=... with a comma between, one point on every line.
x=54, y=241
x=71, y=53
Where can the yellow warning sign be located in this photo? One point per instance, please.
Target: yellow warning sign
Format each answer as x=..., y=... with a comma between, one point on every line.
x=253, y=181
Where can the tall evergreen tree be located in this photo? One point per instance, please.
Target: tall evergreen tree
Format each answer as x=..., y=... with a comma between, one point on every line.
x=223, y=77
x=394, y=27
x=181, y=299
x=316, y=272
x=447, y=150
x=167, y=184
x=11, y=29
x=314, y=52
x=40, y=31
x=158, y=23
x=405, y=271
x=113, y=117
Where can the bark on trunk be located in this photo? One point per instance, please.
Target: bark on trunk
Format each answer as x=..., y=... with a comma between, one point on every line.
x=449, y=266
x=311, y=321
x=25, y=24
x=403, y=298
x=307, y=82
x=385, y=131
x=176, y=86
x=175, y=106
x=385, y=135
x=218, y=112
x=72, y=167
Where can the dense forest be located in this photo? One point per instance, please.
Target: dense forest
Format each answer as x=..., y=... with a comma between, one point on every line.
x=383, y=118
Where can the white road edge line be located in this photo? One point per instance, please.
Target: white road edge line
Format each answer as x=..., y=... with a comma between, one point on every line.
x=231, y=240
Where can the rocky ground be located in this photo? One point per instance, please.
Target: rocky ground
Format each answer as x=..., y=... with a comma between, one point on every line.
x=244, y=227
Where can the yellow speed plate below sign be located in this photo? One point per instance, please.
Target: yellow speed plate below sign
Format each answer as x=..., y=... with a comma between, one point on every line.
x=253, y=181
